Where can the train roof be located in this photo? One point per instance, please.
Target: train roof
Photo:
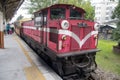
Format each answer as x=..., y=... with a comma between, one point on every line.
x=69, y=5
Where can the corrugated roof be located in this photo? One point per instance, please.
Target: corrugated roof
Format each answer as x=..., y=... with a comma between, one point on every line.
x=9, y=7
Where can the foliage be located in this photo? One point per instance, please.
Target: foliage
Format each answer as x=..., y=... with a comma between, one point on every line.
x=90, y=13
x=116, y=32
x=19, y=17
x=106, y=59
x=83, y=4
x=34, y=5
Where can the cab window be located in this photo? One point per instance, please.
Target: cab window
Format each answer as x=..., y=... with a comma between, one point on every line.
x=38, y=19
x=45, y=17
x=75, y=14
x=57, y=13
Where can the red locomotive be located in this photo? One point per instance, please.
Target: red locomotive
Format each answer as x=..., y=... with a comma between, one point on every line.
x=67, y=41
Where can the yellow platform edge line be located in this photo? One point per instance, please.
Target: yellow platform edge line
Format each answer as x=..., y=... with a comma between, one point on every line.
x=32, y=73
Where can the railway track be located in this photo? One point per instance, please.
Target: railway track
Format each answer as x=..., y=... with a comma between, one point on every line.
x=93, y=76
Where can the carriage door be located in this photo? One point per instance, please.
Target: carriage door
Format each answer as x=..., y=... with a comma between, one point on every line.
x=45, y=31
x=39, y=26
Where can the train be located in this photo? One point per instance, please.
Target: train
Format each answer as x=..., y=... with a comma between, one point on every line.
x=62, y=36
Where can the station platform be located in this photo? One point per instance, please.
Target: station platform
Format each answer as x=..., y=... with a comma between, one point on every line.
x=19, y=62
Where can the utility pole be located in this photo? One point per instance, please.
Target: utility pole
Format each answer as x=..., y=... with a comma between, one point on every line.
x=1, y=31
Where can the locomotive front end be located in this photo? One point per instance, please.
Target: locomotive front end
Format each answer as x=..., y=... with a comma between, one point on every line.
x=77, y=34
x=78, y=40
x=77, y=43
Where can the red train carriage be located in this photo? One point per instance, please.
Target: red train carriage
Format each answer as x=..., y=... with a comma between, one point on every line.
x=62, y=36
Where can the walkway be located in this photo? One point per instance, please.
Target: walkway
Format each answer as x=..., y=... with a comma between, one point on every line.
x=19, y=62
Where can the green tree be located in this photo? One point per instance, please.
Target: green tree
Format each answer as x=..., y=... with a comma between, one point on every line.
x=85, y=4
x=116, y=32
x=19, y=17
x=34, y=5
x=90, y=11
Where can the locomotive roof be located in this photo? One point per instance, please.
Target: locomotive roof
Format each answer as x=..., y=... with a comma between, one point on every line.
x=69, y=5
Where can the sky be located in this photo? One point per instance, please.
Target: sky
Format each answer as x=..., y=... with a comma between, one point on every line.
x=22, y=12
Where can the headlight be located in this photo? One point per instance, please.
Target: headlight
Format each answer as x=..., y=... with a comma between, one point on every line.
x=65, y=24
x=96, y=26
x=64, y=37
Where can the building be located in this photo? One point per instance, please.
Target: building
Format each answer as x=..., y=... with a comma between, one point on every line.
x=104, y=10
x=103, y=13
x=105, y=32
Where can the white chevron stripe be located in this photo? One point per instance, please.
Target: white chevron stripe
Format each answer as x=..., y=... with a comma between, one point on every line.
x=30, y=27
x=77, y=39
x=71, y=34
x=67, y=32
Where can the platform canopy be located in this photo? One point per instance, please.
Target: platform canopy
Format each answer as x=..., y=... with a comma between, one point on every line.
x=9, y=7
x=7, y=11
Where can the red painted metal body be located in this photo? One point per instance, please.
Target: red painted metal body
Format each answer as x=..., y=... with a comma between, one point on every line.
x=78, y=35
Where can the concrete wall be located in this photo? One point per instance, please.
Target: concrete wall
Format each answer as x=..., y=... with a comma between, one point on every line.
x=1, y=31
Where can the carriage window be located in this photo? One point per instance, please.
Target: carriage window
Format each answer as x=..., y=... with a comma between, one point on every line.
x=45, y=17
x=75, y=14
x=38, y=20
x=57, y=13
